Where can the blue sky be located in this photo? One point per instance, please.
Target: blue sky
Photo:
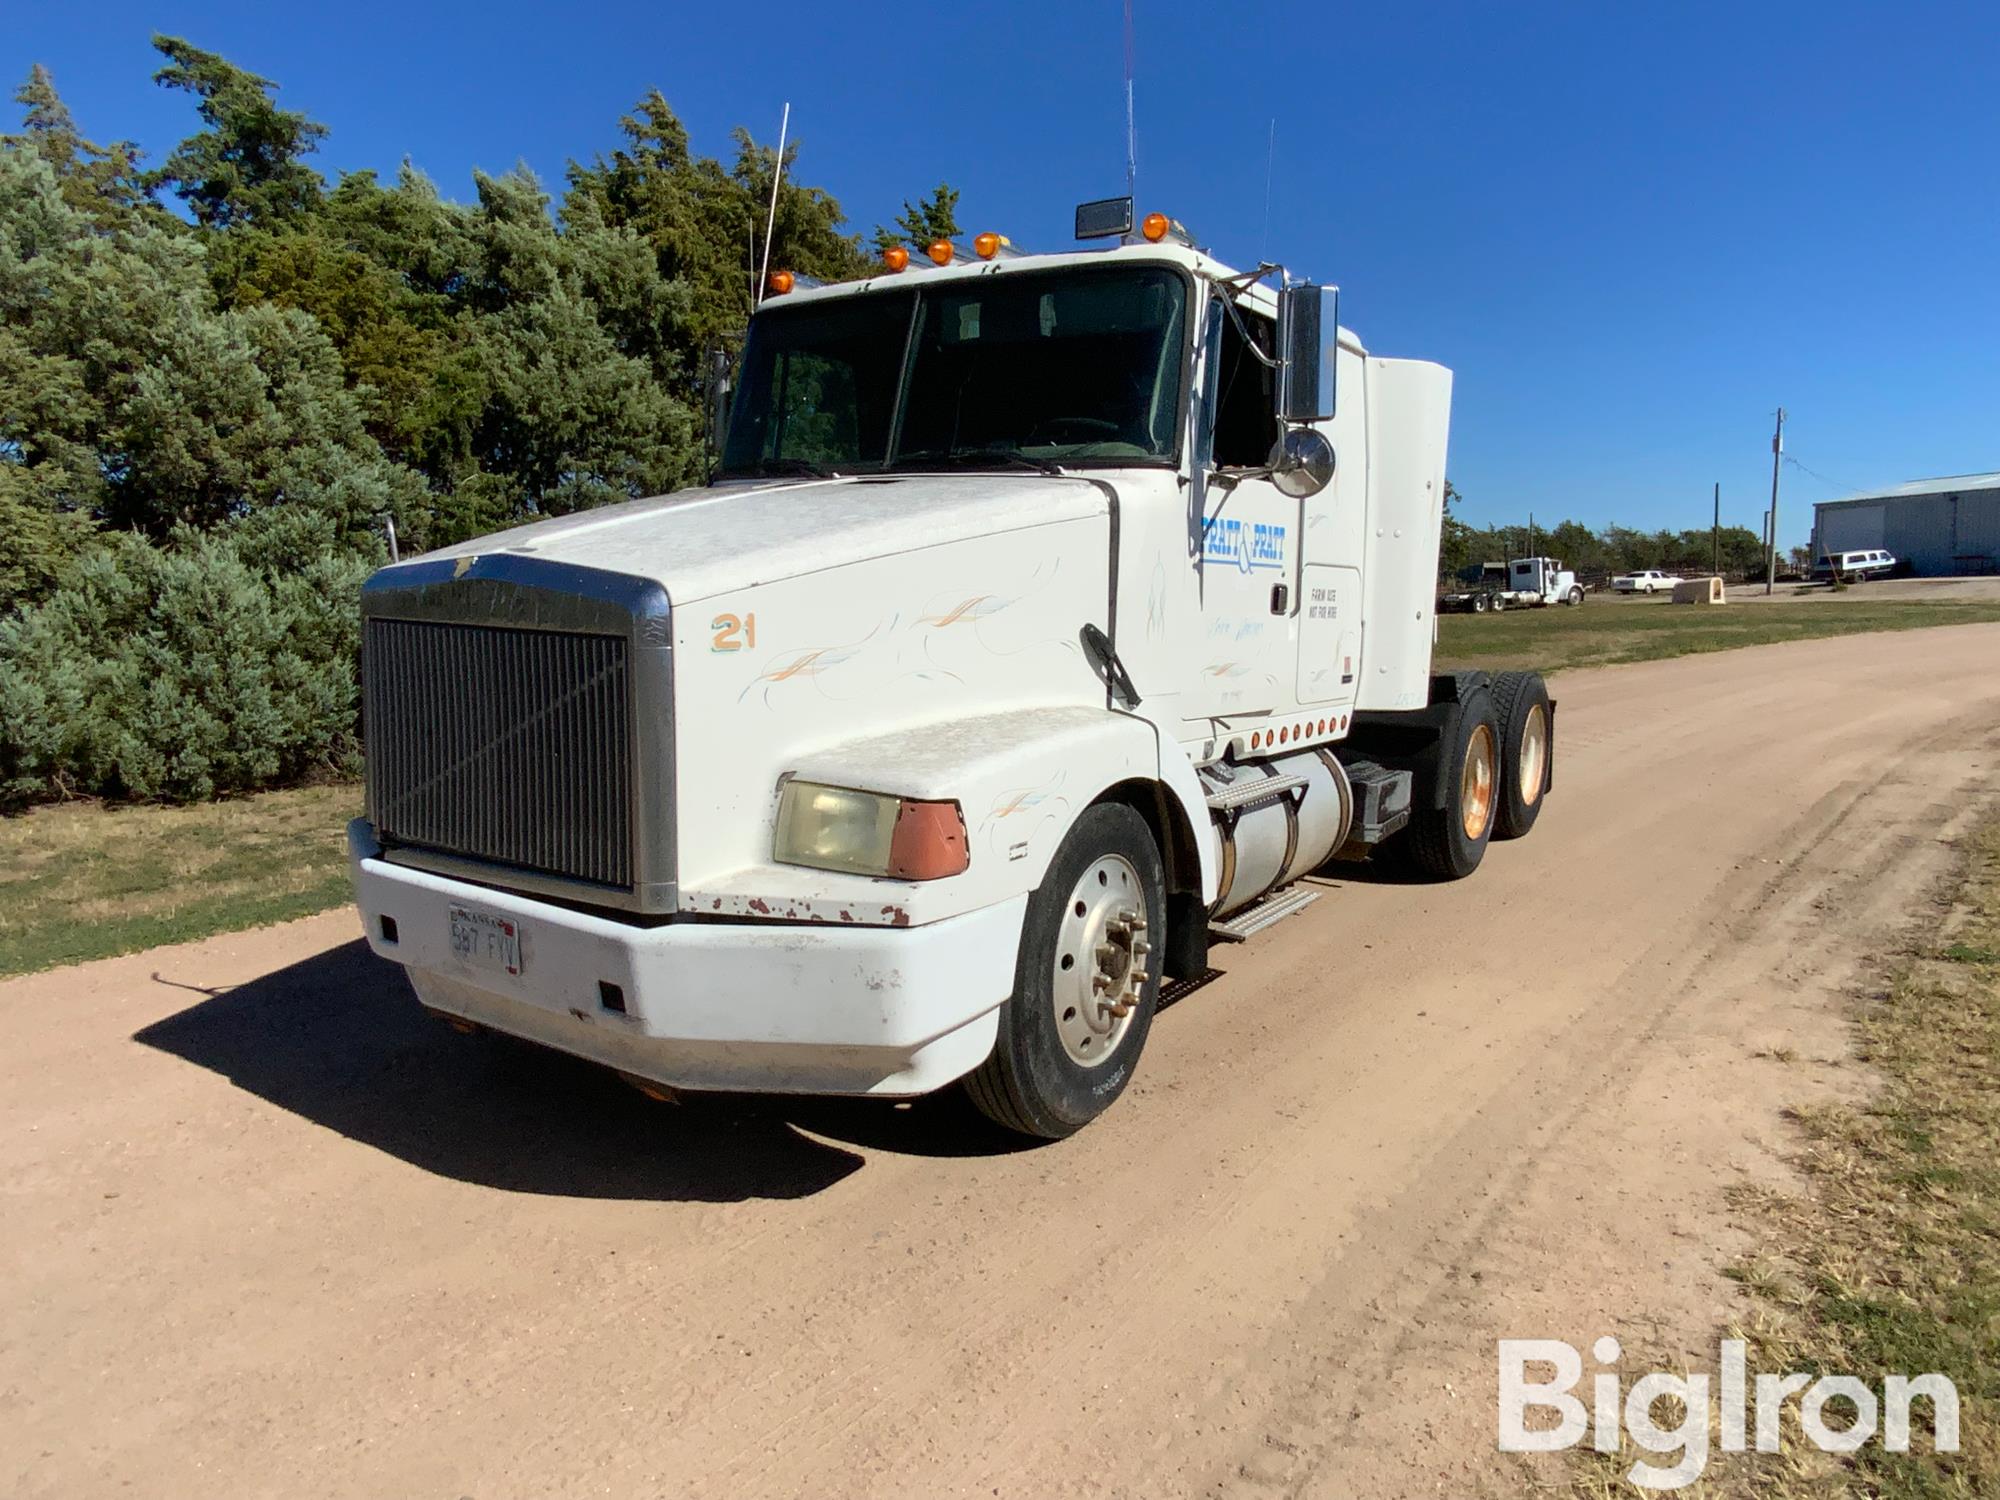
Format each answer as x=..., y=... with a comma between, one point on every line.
x=1633, y=231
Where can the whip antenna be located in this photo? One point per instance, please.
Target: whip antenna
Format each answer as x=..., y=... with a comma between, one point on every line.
x=1131, y=125
x=770, y=221
x=1270, y=159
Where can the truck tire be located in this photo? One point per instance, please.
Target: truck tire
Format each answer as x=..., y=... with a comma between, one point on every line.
x=1448, y=842
x=1084, y=990
x=1527, y=750
x=1574, y=596
x=1479, y=605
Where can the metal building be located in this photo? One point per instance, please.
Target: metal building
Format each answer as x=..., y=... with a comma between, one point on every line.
x=1939, y=526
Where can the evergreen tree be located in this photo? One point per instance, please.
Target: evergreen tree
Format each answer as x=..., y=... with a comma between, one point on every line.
x=101, y=181
x=705, y=223
x=201, y=428
x=934, y=217
x=247, y=167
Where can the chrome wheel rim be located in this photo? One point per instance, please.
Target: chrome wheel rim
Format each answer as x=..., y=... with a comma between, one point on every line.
x=1100, y=963
x=1534, y=755
x=1475, y=783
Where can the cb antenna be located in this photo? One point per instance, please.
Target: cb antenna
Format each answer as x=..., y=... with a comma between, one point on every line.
x=771, y=219
x=1131, y=124
x=1270, y=160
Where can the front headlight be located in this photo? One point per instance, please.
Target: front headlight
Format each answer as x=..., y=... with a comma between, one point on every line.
x=866, y=833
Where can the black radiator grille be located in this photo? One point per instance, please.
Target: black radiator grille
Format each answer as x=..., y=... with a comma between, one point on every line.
x=511, y=746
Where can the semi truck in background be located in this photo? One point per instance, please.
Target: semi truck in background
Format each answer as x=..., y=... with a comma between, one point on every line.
x=1524, y=583
x=1046, y=620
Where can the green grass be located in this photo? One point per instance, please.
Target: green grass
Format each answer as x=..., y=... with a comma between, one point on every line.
x=1603, y=631
x=1890, y=1260
x=1887, y=1259
x=85, y=881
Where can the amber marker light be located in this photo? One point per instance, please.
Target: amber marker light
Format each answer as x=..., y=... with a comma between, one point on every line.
x=941, y=252
x=988, y=245
x=928, y=842
x=780, y=283
x=896, y=258
x=1155, y=227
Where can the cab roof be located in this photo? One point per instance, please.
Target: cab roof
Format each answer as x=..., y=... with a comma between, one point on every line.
x=921, y=272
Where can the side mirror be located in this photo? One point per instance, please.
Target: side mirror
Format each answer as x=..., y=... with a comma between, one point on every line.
x=719, y=382
x=1302, y=466
x=1308, y=336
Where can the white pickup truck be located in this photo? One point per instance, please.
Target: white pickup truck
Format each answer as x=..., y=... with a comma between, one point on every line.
x=1046, y=621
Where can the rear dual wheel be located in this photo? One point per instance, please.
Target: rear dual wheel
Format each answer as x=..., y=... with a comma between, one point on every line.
x=1523, y=715
x=1447, y=841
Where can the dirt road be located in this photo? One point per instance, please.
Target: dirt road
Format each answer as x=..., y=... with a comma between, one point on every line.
x=268, y=1232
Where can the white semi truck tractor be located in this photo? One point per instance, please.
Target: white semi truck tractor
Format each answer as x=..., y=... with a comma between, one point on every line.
x=1046, y=620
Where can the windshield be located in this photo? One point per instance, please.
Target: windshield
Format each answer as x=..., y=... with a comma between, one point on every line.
x=1076, y=368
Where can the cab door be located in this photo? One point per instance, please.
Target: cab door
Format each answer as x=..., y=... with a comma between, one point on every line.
x=1247, y=543
x=1329, y=635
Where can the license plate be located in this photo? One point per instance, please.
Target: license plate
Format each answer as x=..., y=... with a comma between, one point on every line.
x=486, y=941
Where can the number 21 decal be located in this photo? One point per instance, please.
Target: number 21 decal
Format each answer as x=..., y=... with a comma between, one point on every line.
x=728, y=628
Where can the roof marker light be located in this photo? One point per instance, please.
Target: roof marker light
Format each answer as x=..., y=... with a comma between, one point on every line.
x=941, y=252
x=896, y=257
x=780, y=283
x=989, y=244
x=1155, y=227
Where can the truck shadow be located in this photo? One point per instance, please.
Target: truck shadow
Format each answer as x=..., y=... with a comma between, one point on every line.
x=339, y=1040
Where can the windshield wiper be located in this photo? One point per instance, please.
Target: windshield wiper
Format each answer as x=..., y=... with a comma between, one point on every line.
x=979, y=458
x=766, y=468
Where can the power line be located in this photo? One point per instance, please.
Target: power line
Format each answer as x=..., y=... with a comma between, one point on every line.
x=1823, y=479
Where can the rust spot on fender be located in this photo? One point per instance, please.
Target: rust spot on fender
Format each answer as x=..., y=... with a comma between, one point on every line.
x=846, y=916
x=757, y=904
x=897, y=916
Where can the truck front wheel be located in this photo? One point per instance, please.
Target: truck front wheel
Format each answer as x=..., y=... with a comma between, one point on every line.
x=1085, y=985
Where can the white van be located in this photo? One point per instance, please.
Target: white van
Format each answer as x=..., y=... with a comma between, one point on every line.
x=1853, y=567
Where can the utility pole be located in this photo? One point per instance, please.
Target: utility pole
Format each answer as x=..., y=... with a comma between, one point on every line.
x=1777, y=457
x=1715, y=530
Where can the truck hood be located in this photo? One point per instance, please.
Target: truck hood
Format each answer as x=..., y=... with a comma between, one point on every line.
x=702, y=542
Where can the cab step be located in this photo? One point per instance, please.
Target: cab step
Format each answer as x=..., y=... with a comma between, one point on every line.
x=1253, y=791
x=1261, y=914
